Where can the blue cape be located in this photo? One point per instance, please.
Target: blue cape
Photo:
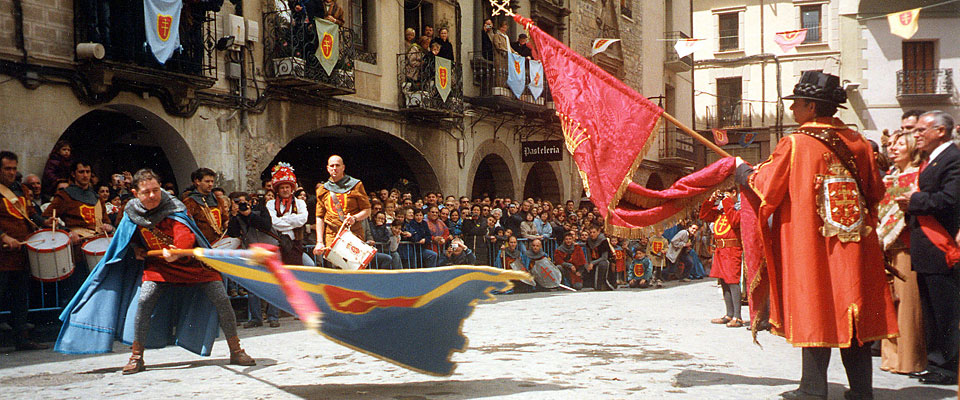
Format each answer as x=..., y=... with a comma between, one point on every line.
x=104, y=308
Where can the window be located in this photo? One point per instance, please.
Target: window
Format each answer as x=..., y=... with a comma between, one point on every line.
x=810, y=20
x=729, y=31
x=729, y=92
x=919, y=75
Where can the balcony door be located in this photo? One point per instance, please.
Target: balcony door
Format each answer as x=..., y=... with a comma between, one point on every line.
x=919, y=67
x=729, y=94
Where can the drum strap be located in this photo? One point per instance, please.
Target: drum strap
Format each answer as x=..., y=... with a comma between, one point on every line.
x=98, y=216
x=19, y=205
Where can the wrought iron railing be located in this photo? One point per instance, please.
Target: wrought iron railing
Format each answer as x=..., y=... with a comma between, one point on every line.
x=416, y=79
x=290, y=46
x=937, y=82
x=491, y=77
x=671, y=51
x=733, y=115
x=673, y=144
x=125, y=42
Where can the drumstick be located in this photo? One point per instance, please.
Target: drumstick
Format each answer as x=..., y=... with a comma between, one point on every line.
x=54, y=219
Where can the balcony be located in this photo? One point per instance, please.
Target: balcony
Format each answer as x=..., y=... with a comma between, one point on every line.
x=290, y=60
x=730, y=116
x=128, y=62
x=925, y=85
x=676, y=148
x=671, y=60
x=419, y=95
x=495, y=95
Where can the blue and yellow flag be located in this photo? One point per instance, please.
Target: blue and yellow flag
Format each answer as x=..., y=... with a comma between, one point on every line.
x=408, y=317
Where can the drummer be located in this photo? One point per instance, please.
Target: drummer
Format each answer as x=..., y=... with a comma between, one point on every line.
x=341, y=200
x=14, y=228
x=206, y=208
x=79, y=207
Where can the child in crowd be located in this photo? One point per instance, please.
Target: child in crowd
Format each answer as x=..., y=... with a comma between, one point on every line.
x=640, y=272
x=393, y=245
x=618, y=262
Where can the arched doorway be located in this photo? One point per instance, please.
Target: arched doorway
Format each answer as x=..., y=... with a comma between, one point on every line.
x=654, y=182
x=377, y=158
x=542, y=183
x=492, y=178
x=121, y=137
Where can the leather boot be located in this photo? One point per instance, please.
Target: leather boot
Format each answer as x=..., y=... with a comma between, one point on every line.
x=237, y=355
x=135, y=364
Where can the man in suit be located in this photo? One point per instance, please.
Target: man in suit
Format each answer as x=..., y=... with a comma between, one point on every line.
x=937, y=196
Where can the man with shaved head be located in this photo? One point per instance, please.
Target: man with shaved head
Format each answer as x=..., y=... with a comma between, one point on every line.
x=341, y=200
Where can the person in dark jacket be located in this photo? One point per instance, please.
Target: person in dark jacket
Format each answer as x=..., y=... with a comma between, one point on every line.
x=420, y=236
x=446, y=48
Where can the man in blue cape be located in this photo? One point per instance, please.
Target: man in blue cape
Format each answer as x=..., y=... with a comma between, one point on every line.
x=150, y=302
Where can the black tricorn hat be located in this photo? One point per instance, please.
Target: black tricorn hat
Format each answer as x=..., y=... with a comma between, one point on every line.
x=818, y=86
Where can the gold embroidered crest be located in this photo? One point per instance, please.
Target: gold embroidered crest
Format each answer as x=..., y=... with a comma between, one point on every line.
x=840, y=204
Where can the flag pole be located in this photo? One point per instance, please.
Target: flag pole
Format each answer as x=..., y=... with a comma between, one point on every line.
x=695, y=135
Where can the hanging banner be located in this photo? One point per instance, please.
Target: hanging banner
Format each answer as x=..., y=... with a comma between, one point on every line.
x=686, y=47
x=746, y=139
x=516, y=75
x=600, y=45
x=162, y=21
x=544, y=150
x=444, y=76
x=720, y=137
x=790, y=39
x=536, y=79
x=904, y=23
x=328, y=52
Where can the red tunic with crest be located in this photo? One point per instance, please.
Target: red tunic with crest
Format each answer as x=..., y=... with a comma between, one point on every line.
x=575, y=258
x=75, y=213
x=824, y=260
x=15, y=224
x=187, y=270
x=210, y=220
x=726, y=226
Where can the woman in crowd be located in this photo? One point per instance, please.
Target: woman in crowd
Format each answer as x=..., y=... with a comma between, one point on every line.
x=544, y=227
x=454, y=223
x=446, y=48
x=907, y=353
x=528, y=228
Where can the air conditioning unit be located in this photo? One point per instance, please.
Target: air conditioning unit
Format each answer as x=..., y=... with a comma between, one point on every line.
x=235, y=25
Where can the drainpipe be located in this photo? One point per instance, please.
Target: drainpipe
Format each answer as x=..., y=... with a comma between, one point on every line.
x=18, y=16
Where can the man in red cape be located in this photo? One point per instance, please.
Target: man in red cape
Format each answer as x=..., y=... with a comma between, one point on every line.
x=819, y=190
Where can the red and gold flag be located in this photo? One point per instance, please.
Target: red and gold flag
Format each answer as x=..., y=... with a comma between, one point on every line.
x=790, y=39
x=607, y=126
x=720, y=137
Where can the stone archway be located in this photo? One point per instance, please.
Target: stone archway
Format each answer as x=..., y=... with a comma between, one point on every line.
x=124, y=137
x=541, y=182
x=377, y=158
x=654, y=182
x=492, y=171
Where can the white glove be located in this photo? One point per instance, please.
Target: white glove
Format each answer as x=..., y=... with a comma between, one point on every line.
x=739, y=161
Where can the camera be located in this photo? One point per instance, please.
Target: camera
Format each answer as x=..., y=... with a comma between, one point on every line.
x=243, y=206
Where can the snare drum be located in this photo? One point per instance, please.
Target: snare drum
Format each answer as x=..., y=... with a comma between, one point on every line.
x=50, y=256
x=94, y=249
x=227, y=243
x=349, y=252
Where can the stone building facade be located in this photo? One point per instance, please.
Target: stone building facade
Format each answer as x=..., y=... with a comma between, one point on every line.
x=258, y=96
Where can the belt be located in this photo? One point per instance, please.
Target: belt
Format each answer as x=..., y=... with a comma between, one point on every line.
x=724, y=243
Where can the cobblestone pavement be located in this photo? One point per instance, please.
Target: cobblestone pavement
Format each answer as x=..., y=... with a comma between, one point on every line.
x=625, y=344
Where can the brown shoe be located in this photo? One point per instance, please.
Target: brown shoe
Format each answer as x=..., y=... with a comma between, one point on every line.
x=135, y=364
x=735, y=323
x=237, y=355
x=721, y=320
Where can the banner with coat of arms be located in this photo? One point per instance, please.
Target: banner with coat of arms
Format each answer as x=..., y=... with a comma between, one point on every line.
x=904, y=23
x=516, y=73
x=536, y=79
x=444, y=77
x=162, y=21
x=328, y=52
